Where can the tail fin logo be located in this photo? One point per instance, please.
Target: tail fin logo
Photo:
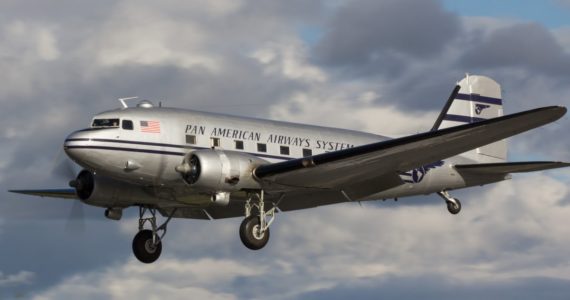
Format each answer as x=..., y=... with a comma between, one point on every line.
x=479, y=108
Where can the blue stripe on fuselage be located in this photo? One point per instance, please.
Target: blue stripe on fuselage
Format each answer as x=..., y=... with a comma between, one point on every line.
x=150, y=151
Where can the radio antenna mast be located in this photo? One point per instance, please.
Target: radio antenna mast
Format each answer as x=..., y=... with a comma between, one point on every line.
x=123, y=101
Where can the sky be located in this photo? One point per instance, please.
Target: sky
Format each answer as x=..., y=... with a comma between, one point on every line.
x=382, y=66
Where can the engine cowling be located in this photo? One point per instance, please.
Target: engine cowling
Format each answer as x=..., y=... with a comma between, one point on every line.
x=106, y=192
x=214, y=170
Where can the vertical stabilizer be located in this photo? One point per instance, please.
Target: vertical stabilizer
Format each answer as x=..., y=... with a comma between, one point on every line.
x=479, y=98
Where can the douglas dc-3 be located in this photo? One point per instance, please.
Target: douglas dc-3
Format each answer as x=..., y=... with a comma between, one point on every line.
x=190, y=164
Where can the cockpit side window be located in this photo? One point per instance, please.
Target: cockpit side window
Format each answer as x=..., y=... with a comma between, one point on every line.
x=105, y=123
x=127, y=124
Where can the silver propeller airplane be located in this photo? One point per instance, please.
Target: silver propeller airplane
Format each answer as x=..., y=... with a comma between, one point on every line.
x=190, y=164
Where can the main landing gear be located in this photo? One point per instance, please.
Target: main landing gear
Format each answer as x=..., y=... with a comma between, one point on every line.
x=453, y=204
x=254, y=230
x=147, y=244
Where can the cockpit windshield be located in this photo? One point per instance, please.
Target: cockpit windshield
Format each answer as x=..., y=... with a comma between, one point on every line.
x=105, y=123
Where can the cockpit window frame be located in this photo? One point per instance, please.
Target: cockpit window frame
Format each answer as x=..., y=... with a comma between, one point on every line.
x=106, y=123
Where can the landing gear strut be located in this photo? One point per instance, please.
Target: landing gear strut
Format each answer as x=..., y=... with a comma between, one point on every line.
x=254, y=230
x=453, y=204
x=147, y=244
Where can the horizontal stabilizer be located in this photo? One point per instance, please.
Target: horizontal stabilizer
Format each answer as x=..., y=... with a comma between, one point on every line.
x=52, y=193
x=511, y=167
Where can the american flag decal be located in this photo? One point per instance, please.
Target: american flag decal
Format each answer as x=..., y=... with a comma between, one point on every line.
x=150, y=126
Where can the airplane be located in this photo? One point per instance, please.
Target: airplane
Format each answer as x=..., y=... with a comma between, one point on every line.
x=183, y=163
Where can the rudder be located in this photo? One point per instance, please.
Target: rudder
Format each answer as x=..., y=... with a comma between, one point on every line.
x=479, y=98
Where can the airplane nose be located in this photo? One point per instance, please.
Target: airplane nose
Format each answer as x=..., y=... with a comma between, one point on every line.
x=75, y=143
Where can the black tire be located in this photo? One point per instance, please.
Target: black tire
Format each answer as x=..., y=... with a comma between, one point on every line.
x=248, y=236
x=143, y=249
x=452, y=208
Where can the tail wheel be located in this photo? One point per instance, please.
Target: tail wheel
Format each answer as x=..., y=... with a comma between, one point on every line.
x=251, y=235
x=144, y=248
x=454, y=208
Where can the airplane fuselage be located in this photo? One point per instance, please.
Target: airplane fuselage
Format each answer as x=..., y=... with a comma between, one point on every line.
x=143, y=146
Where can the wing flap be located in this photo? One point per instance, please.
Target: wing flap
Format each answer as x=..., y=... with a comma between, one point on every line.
x=335, y=170
x=511, y=167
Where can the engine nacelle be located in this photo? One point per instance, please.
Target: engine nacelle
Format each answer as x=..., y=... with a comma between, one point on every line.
x=105, y=192
x=215, y=171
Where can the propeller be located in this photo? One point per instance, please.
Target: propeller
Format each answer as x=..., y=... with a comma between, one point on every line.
x=63, y=167
x=66, y=170
x=190, y=169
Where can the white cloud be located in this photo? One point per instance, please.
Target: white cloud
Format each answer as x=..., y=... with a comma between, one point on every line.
x=22, y=277
x=352, y=107
x=507, y=232
x=563, y=37
x=289, y=59
x=137, y=34
x=23, y=46
x=171, y=279
x=29, y=41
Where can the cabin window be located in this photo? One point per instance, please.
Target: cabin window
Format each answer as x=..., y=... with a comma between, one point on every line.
x=105, y=123
x=215, y=142
x=284, y=150
x=307, y=152
x=191, y=139
x=239, y=145
x=127, y=125
x=261, y=147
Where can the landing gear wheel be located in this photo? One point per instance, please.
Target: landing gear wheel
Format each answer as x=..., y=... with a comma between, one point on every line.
x=454, y=208
x=144, y=248
x=250, y=235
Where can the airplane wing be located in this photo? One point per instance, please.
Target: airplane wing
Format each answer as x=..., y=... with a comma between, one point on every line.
x=51, y=193
x=375, y=166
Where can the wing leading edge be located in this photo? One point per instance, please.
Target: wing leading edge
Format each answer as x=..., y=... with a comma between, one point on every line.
x=51, y=193
x=345, y=168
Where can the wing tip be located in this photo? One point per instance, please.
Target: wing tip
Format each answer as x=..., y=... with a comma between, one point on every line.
x=17, y=191
x=559, y=110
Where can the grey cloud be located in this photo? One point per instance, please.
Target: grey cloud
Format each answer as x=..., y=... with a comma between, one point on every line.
x=368, y=32
x=528, y=45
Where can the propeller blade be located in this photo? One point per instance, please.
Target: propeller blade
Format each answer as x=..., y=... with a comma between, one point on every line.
x=63, y=167
x=75, y=223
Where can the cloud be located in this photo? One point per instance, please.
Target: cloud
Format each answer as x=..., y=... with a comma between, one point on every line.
x=435, y=287
x=173, y=279
x=20, y=278
x=508, y=235
x=376, y=32
x=289, y=60
x=166, y=42
x=329, y=108
x=38, y=41
x=529, y=46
